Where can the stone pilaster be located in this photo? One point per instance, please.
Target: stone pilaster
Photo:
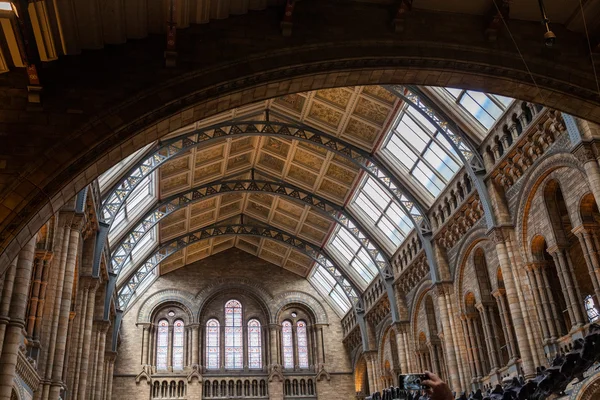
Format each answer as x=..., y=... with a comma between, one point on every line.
x=59, y=355
x=7, y=290
x=13, y=338
x=90, y=286
x=98, y=383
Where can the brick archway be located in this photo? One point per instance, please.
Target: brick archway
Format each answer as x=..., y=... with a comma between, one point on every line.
x=70, y=150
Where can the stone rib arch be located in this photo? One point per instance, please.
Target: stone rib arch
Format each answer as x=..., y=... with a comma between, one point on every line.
x=280, y=301
x=474, y=239
x=152, y=303
x=533, y=179
x=422, y=290
x=251, y=287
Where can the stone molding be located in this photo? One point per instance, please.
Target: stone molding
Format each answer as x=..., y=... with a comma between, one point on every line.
x=156, y=300
x=297, y=297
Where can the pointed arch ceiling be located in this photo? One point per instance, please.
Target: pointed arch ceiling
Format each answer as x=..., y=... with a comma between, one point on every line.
x=369, y=118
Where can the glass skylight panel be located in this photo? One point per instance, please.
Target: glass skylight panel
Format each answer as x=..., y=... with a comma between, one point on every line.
x=328, y=286
x=484, y=107
x=417, y=147
x=107, y=178
x=375, y=205
x=137, y=202
x=350, y=252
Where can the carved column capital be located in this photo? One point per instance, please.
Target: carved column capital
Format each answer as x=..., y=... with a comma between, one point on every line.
x=585, y=152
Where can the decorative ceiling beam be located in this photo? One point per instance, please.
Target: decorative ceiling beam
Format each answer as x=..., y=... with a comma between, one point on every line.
x=320, y=256
x=176, y=146
x=330, y=210
x=456, y=137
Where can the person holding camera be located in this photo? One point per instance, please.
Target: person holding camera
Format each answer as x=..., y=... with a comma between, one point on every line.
x=437, y=388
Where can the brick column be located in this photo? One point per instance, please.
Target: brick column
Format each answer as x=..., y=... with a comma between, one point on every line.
x=91, y=287
x=472, y=347
x=371, y=372
x=55, y=368
x=556, y=314
x=400, y=329
x=489, y=335
x=13, y=337
x=7, y=290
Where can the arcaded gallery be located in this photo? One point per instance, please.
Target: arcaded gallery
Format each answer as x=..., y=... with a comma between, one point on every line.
x=299, y=199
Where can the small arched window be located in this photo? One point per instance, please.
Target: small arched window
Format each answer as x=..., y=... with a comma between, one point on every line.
x=178, y=333
x=302, y=344
x=254, y=344
x=288, y=344
x=234, y=351
x=162, y=344
x=212, y=344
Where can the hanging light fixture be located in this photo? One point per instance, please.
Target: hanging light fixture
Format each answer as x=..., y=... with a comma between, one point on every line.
x=549, y=36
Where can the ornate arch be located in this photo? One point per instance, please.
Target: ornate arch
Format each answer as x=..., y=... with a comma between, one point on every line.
x=185, y=299
x=251, y=287
x=284, y=299
x=533, y=180
x=422, y=290
x=589, y=390
x=471, y=241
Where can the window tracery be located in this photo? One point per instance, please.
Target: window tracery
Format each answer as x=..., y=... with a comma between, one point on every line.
x=162, y=344
x=254, y=344
x=288, y=344
x=178, y=334
x=234, y=352
x=212, y=344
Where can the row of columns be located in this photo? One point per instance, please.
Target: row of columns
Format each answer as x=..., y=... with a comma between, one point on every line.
x=67, y=349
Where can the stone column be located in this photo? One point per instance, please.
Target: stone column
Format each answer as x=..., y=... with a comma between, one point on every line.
x=585, y=153
x=320, y=349
x=556, y=314
x=98, y=386
x=273, y=347
x=400, y=328
x=64, y=306
x=453, y=379
x=195, y=349
x=590, y=255
x=548, y=307
x=110, y=357
x=13, y=337
x=541, y=307
x=500, y=296
x=7, y=290
x=488, y=337
x=480, y=347
x=567, y=284
x=514, y=304
x=145, y=344
x=91, y=286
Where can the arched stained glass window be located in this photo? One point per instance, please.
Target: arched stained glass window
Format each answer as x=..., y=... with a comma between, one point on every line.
x=254, y=344
x=234, y=351
x=178, y=333
x=302, y=344
x=212, y=344
x=288, y=344
x=591, y=309
x=162, y=344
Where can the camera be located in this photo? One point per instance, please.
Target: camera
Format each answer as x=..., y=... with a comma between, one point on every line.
x=412, y=381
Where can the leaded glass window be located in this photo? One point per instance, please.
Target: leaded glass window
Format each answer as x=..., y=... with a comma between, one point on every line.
x=302, y=344
x=254, y=344
x=288, y=344
x=162, y=344
x=212, y=344
x=178, y=333
x=234, y=350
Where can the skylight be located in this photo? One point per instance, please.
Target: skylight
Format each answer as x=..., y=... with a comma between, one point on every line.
x=484, y=107
x=329, y=288
x=108, y=178
x=381, y=213
x=420, y=149
x=348, y=251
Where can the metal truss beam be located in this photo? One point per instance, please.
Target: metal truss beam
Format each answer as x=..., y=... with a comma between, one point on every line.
x=456, y=137
x=320, y=256
x=178, y=145
x=274, y=187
